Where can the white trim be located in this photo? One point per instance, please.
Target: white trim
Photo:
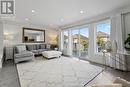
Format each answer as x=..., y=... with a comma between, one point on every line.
x=95, y=24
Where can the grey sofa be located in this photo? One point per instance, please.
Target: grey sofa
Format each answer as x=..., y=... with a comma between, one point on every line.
x=37, y=49
x=28, y=51
x=22, y=54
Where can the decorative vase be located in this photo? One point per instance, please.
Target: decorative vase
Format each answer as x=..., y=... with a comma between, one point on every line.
x=114, y=46
x=108, y=46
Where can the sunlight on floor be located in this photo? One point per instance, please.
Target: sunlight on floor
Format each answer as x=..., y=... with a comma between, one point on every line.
x=77, y=59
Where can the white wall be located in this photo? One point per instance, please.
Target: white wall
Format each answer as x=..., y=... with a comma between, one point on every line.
x=1, y=43
x=16, y=31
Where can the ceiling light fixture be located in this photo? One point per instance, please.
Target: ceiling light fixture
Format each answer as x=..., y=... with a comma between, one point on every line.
x=26, y=19
x=33, y=11
x=81, y=12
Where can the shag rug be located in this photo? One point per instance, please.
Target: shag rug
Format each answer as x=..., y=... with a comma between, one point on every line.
x=58, y=72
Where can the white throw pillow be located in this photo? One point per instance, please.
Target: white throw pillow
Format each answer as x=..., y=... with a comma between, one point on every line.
x=108, y=85
x=21, y=48
x=122, y=81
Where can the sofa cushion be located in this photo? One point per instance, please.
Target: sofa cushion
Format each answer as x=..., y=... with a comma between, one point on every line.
x=34, y=47
x=35, y=51
x=41, y=50
x=21, y=48
x=23, y=54
x=42, y=46
x=31, y=47
x=38, y=46
x=122, y=81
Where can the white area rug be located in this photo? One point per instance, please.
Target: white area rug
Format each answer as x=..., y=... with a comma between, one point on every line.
x=59, y=72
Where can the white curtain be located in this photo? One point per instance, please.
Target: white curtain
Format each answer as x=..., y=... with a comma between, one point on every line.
x=117, y=34
x=60, y=40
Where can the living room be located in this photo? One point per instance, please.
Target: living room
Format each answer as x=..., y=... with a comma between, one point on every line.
x=65, y=43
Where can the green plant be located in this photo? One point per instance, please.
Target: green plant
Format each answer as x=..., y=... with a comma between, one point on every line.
x=127, y=43
x=100, y=41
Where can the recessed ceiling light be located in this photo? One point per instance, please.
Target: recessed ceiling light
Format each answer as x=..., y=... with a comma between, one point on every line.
x=81, y=12
x=61, y=19
x=33, y=11
x=26, y=19
x=51, y=24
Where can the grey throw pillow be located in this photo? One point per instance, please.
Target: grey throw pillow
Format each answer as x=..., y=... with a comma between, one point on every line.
x=42, y=46
x=38, y=46
x=21, y=48
x=34, y=47
x=29, y=47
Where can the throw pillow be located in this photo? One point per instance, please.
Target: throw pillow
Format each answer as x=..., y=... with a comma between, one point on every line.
x=21, y=48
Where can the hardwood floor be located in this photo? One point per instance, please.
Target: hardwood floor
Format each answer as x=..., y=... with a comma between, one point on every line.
x=108, y=76
x=8, y=75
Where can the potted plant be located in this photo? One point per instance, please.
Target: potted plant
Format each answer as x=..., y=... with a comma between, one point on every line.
x=127, y=44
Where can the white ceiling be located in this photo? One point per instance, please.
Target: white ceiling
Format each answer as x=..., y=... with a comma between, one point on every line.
x=50, y=12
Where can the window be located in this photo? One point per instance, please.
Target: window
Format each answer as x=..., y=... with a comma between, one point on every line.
x=75, y=42
x=80, y=42
x=84, y=42
x=102, y=34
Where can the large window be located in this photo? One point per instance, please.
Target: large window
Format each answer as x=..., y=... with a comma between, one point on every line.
x=80, y=41
x=102, y=34
x=76, y=41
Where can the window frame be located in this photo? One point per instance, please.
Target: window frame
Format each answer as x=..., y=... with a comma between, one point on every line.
x=95, y=34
